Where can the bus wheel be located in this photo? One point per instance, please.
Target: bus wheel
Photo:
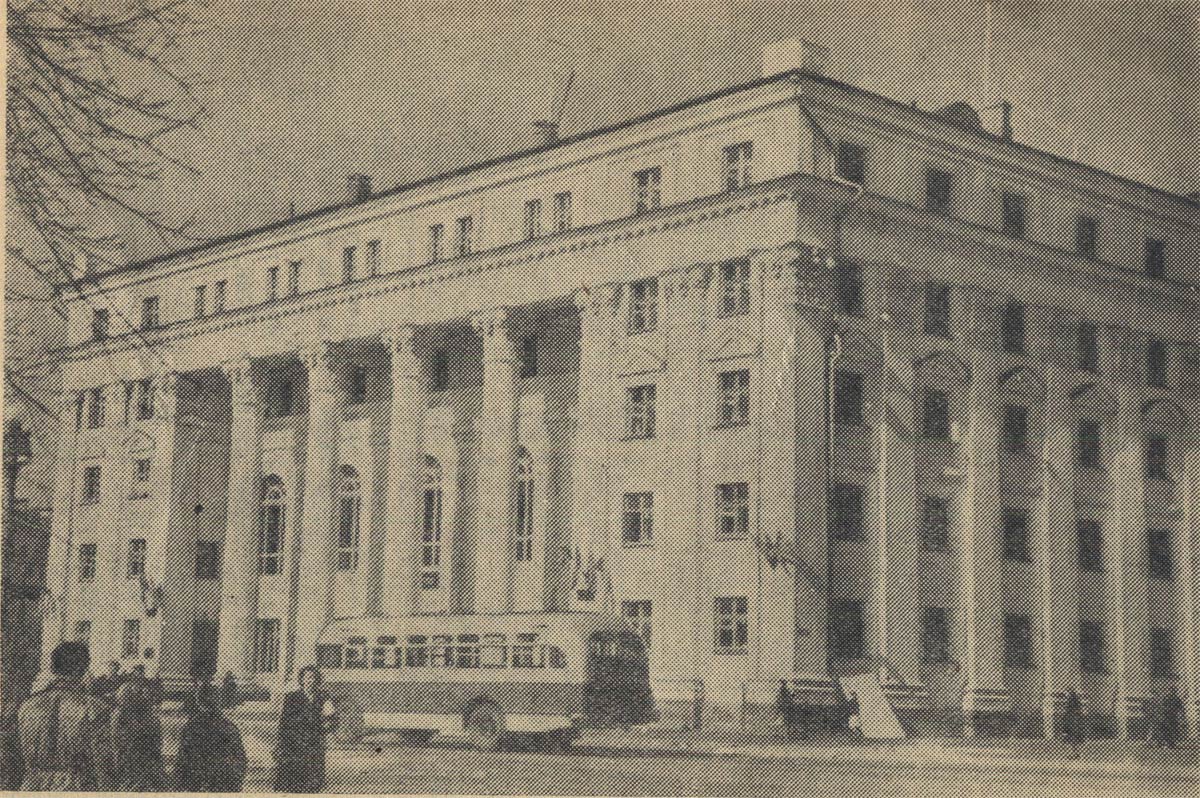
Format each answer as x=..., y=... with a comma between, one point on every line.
x=484, y=725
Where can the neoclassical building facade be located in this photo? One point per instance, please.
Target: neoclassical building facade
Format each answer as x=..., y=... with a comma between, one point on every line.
x=804, y=381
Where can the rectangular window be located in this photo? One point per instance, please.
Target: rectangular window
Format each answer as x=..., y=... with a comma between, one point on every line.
x=87, y=562
x=528, y=357
x=416, y=652
x=525, y=510
x=1085, y=237
x=848, y=398
x=272, y=283
x=464, y=230
x=200, y=302
x=440, y=370
x=1159, y=562
x=1087, y=444
x=83, y=632
x=80, y=400
x=735, y=398
x=466, y=653
x=1018, y=642
x=846, y=512
x=533, y=218
x=1091, y=647
x=437, y=242
x=281, y=397
x=1156, y=258
x=1156, y=457
x=1012, y=328
x=935, y=524
x=293, y=280
x=219, y=291
x=526, y=652
x=647, y=190
x=1087, y=347
x=270, y=542
x=846, y=629
x=131, y=639
x=937, y=310
x=356, y=652
x=1016, y=535
x=100, y=324
x=731, y=624
x=638, y=612
x=145, y=400
x=266, y=645
x=562, y=211
x=150, y=317
x=848, y=286
x=208, y=559
x=935, y=635
x=733, y=511
x=1162, y=653
x=441, y=652
x=643, y=306
x=91, y=485
x=431, y=530
x=937, y=191
x=735, y=288
x=851, y=161
x=349, y=265
x=637, y=526
x=356, y=388
x=1156, y=364
x=935, y=415
x=1014, y=210
x=374, y=248
x=1016, y=429
x=1090, y=543
x=639, y=411
x=329, y=656
x=95, y=408
x=737, y=165
x=141, y=472
x=349, y=527
x=136, y=565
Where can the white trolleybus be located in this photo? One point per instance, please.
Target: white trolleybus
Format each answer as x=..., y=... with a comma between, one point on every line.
x=540, y=676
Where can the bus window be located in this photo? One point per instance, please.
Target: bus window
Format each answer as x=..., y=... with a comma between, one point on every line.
x=468, y=651
x=526, y=652
x=379, y=658
x=440, y=652
x=356, y=652
x=329, y=656
x=557, y=658
x=417, y=655
x=491, y=653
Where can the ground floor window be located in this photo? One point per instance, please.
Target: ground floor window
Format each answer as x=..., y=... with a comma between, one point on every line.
x=131, y=639
x=846, y=629
x=266, y=645
x=935, y=635
x=1018, y=642
x=730, y=624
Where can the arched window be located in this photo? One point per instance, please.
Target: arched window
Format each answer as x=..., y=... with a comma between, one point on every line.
x=272, y=518
x=431, y=526
x=524, y=506
x=349, y=518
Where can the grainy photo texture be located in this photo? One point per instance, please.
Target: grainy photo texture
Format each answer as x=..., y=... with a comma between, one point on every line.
x=676, y=399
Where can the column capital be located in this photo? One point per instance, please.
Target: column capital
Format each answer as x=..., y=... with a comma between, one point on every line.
x=166, y=388
x=241, y=381
x=495, y=328
x=400, y=339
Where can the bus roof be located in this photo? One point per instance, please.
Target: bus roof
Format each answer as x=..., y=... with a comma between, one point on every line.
x=557, y=624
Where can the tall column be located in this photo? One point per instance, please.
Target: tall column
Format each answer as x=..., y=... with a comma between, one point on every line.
x=161, y=544
x=396, y=596
x=1190, y=573
x=498, y=450
x=979, y=518
x=239, y=566
x=1057, y=551
x=313, y=587
x=59, y=565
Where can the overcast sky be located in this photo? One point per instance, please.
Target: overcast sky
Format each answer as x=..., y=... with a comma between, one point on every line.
x=304, y=93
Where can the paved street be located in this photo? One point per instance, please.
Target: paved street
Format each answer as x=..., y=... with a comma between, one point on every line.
x=598, y=771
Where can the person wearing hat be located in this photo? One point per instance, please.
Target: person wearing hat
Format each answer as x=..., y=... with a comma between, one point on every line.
x=62, y=734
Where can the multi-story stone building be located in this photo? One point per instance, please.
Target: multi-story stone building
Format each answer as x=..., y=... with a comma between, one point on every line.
x=806, y=381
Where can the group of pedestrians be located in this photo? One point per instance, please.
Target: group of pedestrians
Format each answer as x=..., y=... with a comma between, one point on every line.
x=1166, y=721
x=106, y=734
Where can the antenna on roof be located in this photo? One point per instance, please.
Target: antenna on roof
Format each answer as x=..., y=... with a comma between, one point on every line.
x=549, y=127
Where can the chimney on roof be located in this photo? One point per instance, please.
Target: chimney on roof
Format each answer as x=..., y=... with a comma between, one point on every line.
x=794, y=55
x=359, y=187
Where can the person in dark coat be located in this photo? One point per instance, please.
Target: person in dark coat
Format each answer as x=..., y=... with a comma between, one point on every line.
x=229, y=690
x=212, y=757
x=137, y=741
x=1170, y=719
x=1072, y=722
x=61, y=735
x=300, y=750
x=105, y=686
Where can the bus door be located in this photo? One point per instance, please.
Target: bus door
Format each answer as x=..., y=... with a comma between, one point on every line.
x=618, y=680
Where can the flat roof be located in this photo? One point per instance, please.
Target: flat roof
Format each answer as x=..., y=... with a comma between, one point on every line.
x=790, y=76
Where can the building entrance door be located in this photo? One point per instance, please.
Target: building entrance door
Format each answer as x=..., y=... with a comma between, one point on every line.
x=204, y=647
